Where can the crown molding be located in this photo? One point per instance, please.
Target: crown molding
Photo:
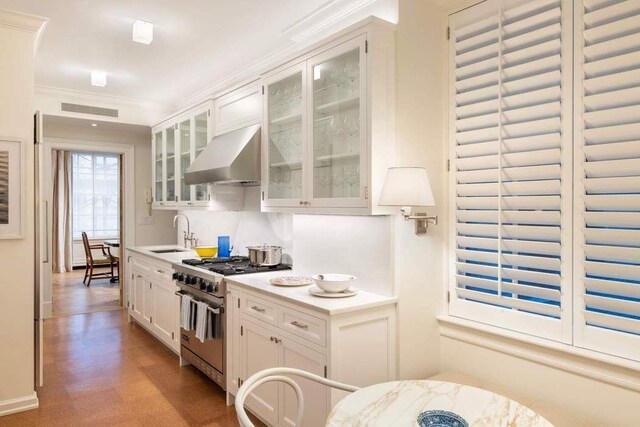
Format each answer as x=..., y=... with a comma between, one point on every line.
x=110, y=100
x=333, y=14
x=324, y=17
x=21, y=21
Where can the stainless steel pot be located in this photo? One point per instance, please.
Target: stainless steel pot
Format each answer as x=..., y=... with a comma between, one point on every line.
x=265, y=255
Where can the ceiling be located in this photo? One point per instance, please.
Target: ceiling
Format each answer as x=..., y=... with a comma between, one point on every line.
x=195, y=42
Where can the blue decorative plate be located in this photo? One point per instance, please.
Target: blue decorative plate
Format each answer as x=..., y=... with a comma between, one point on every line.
x=441, y=419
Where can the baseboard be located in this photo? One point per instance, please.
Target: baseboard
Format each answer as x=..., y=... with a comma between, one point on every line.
x=19, y=404
x=47, y=310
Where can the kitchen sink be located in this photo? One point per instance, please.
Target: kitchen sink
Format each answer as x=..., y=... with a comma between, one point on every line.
x=167, y=251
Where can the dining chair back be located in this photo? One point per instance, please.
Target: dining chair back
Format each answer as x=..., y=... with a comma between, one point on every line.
x=281, y=375
x=106, y=260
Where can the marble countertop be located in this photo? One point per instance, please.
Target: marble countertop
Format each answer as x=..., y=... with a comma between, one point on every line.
x=259, y=282
x=399, y=403
x=170, y=257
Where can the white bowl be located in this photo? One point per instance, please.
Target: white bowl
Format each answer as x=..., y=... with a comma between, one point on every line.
x=333, y=282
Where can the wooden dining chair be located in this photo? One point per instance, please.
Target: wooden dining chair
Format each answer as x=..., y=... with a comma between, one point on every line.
x=100, y=261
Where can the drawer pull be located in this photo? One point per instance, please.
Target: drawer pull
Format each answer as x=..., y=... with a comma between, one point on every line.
x=299, y=325
x=160, y=271
x=139, y=276
x=258, y=309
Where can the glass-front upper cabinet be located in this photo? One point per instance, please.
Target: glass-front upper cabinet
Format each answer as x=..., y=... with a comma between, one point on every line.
x=176, y=144
x=170, y=159
x=338, y=154
x=201, y=136
x=158, y=168
x=184, y=134
x=284, y=133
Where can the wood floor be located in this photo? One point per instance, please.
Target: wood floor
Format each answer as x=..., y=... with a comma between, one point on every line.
x=102, y=371
x=71, y=296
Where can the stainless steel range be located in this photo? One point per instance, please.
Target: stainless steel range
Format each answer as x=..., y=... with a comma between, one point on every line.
x=203, y=280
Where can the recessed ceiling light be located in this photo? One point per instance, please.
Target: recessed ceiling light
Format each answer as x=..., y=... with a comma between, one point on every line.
x=94, y=124
x=98, y=78
x=142, y=32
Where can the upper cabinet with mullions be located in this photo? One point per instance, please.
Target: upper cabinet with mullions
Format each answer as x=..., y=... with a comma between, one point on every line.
x=176, y=144
x=327, y=134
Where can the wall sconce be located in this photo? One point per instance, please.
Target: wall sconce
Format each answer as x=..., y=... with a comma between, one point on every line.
x=408, y=187
x=149, y=201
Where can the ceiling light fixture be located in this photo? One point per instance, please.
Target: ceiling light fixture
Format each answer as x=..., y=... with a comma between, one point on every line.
x=98, y=78
x=142, y=32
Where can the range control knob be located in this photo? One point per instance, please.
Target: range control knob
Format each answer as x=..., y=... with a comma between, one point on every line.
x=191, y=280
x=175, y=276
x=203, y=284
x=210, y=287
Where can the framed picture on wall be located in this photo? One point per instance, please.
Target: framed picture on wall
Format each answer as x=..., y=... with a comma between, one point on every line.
x=12, y=188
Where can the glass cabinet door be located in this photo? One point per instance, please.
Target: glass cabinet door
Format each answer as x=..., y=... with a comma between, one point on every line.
x=170, y=145
x=339, y=145
x=201, y=139
x=285, y=130
x=158, y=168
x=184, y=133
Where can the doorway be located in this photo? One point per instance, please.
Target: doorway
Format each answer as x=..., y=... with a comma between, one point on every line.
x=86, y=216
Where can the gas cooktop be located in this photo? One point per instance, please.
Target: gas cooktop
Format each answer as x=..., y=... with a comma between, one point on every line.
x=232, y=265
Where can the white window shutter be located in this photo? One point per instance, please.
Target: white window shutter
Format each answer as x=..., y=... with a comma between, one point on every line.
x=607, y=186
x=511, y=154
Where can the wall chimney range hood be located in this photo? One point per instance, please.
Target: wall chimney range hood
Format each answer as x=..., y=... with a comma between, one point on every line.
x=230, y=158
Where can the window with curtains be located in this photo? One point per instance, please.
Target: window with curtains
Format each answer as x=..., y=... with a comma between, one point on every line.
x=545, y=169
x=96, y=195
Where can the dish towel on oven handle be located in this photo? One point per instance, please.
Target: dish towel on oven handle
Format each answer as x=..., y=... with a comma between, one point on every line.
x=201, y=320
x=185, y=312
x=214, y=323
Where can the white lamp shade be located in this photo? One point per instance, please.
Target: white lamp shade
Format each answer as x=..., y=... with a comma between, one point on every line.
x=407, y=186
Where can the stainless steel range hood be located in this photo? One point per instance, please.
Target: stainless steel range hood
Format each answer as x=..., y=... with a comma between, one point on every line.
x=230, y=158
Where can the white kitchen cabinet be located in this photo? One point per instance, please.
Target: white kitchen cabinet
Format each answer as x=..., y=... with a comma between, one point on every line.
x=328, y=128
x=316, y=402
x=260, y=352
x=265, y=331
x=238, y=108
x=176, y=144
x=165, y=309
x=153, y=303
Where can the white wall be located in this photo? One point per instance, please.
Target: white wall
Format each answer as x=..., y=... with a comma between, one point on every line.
x=16, y=256
x=361, y=246
x=161, y=231
x=419, y=139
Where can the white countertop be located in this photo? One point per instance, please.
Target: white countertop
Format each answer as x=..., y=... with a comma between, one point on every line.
x=170, y=257
x=259, y=282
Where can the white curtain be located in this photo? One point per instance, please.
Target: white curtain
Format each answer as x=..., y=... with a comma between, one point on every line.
x=62, y=258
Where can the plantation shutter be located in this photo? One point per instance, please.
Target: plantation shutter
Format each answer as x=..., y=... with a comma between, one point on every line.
x=607, y=165
x=510, y=131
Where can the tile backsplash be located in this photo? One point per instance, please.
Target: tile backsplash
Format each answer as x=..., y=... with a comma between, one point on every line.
x=358, y=245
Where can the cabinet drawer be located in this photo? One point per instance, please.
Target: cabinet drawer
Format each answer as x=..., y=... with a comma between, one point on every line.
x=260, y=309
x=162, y=271
x=308, y=327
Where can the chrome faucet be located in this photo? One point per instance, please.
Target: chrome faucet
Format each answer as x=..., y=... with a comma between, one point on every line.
x=187, y=235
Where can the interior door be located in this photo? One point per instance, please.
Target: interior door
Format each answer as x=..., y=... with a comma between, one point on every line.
x=260, y=351
x=293, y=355
x=42, y=269
x=337, y=108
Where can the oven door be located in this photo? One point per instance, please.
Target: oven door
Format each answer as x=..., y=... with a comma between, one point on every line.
x=208, y=356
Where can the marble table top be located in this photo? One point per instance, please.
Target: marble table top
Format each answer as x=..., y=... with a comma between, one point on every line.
x=399, y=403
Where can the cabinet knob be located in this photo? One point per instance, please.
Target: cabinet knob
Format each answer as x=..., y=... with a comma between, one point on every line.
x=301, y=203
